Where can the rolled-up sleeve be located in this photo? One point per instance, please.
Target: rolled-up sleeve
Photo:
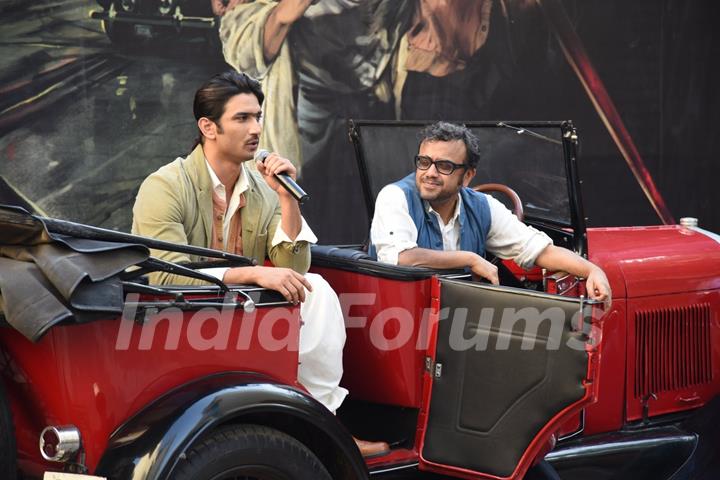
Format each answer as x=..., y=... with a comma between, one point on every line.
x=287, y=254
x=306, y=235
x=217, y=272
x=509, y=238
x=392, y=230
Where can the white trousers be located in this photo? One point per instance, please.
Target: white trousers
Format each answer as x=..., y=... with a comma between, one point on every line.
x=322, y=338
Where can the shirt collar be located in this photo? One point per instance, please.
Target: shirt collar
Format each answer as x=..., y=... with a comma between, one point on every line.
x=455, y=216
x=241, y=185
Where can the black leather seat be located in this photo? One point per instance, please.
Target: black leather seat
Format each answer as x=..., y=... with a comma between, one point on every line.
x=330, y=251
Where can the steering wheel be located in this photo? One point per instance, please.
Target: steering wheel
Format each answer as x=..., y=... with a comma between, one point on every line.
x=508, y=192
x=506, y=276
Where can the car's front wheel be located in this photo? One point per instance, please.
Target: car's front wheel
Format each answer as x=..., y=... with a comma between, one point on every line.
x=250, y=452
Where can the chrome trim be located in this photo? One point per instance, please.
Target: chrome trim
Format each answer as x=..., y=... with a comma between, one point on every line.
x=247, y=306
x=688, y=222
x=559, y=282
x=523, y=292
x=707, y=233
x=181, y=291
x=68, y=442
x=577, y=432
x=394, y=468
x=458, y=276
x=195, y=289
x=584, y=451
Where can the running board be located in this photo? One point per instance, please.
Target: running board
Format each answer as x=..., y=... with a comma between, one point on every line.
x=654, y=454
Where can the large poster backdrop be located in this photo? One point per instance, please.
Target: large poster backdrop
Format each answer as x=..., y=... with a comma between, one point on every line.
x=90, y=106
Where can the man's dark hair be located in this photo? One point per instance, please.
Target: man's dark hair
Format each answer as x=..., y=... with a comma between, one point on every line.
x=447, y=132
x=211, y=98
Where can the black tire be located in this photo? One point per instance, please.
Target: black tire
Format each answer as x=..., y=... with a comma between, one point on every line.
x=250, y=452
x=8, y=463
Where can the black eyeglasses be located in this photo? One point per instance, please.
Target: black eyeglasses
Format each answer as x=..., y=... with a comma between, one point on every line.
x=446, y=167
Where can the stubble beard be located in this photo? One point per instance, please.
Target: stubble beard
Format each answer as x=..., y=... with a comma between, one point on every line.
x=428, y=196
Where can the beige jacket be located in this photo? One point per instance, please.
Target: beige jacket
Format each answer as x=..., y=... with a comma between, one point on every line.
x=175, y=204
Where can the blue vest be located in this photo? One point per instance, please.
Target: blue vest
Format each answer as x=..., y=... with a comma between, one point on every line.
x=474, y=219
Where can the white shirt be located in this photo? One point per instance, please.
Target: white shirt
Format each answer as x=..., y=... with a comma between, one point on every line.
x=241, y=186
x=450, y=231
x=393, y=230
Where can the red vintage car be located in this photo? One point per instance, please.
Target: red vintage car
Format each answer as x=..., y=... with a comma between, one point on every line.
x=106, y=376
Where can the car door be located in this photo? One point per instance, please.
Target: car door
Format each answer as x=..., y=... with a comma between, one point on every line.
x=509, y=367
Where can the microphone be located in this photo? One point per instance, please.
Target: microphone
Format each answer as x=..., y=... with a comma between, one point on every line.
x=285, y=180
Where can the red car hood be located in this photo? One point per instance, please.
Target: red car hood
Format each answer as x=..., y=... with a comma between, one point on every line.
x=644, y=261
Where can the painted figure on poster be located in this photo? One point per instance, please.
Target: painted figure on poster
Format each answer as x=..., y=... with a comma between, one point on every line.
x=326, y=61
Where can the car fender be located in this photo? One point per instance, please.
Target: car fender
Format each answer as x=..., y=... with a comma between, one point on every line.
x=151, y=443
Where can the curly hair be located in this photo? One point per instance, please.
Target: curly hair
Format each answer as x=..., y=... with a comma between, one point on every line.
x=447, y=132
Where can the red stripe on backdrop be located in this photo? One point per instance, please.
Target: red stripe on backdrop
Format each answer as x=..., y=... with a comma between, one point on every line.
x=578, y=59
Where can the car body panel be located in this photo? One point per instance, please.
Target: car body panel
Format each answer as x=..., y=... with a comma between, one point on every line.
x=84, y=375
x=561, y=356
x=151, y=444
x=658, y=260
x=665, y=272
x=407, y=314
x=104, y=378
x=673, y=353
x=608, y=412
x=376, y=302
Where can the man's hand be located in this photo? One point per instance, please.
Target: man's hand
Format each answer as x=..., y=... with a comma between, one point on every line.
x=423, y=257
x=273, y=165
x=278, y=24
x=560, y=259
x=288, y=282
x=598, y=287
x=483, y=269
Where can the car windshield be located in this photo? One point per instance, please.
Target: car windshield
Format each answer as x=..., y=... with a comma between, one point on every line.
x=529, y=158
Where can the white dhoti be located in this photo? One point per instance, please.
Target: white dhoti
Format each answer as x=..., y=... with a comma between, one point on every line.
x=322, y=338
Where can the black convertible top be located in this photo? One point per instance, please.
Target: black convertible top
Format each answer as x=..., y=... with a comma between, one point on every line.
x=54, y=271
x=47, y=278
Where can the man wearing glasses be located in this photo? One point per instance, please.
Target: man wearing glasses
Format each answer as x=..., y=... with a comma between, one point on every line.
x=432, y=219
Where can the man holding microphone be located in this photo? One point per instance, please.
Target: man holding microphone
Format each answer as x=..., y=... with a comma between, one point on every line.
x=212, y=199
